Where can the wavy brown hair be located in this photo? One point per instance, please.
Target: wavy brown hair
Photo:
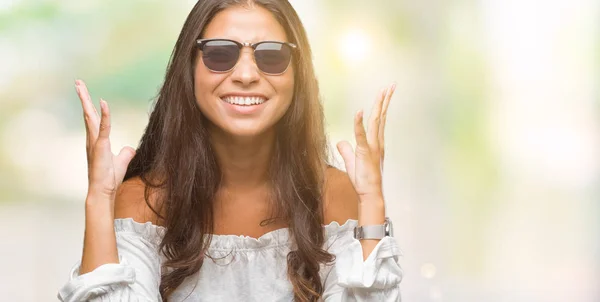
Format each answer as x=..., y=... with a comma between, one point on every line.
x=175, y=156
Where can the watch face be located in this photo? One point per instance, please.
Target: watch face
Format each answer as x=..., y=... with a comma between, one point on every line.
x=389, y=228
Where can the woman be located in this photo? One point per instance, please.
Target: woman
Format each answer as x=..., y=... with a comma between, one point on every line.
x=229, y=196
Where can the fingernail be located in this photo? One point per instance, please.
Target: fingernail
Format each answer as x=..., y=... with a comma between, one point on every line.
x=77, y=82
x=394, y=85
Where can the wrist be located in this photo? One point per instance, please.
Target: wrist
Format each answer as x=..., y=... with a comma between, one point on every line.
x=371, y=213
x=99, y=207
x=372, y=197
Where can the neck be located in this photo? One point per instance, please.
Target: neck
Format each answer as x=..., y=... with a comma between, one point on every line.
x=244, y=161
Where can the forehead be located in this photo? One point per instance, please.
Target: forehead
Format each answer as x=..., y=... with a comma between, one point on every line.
x=245, y=24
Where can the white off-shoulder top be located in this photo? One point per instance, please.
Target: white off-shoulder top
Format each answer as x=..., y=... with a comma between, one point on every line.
x=242, y=269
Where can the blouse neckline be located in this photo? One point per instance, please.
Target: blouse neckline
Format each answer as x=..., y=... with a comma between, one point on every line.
x=154, y=234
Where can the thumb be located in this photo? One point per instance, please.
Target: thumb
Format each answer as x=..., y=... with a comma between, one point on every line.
x=347, y=154
x=122, y=161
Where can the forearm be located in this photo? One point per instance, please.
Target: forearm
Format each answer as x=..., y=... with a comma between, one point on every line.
x=371, y=213
x=99, y=243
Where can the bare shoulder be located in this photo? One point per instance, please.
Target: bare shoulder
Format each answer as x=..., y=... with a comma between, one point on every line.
x=340, y=198
x=131, y=203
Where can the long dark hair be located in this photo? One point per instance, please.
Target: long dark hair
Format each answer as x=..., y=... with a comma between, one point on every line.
x=175, y=157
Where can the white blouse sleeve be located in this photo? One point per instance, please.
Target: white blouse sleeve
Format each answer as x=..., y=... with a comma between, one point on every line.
x=353, y=279
x=135, y=278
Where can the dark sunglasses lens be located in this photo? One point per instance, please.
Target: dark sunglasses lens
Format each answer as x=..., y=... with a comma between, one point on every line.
x=220, y=55
x=273, y=57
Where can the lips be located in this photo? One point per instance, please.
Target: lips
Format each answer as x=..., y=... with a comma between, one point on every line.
x=244, y=104
x=244, y=94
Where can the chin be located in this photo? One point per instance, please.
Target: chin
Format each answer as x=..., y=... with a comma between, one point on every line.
x=246, y=132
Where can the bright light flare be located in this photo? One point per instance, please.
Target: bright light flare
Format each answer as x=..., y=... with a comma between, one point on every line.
x=354, y=46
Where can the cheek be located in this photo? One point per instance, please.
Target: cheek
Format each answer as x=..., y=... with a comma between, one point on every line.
x=204, y=83
x=286, y=88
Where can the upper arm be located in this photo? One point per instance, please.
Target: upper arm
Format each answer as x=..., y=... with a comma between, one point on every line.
x=131, y=203
x=340, y=197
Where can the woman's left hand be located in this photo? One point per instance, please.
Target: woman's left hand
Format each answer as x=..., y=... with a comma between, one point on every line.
x=365, y=165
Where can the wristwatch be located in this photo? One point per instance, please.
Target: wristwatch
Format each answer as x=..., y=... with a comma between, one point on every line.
x=374, y=231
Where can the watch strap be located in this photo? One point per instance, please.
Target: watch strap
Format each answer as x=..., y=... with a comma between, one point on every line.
x=374, y=231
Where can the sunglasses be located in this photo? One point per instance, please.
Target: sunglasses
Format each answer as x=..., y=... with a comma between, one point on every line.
x=221, y=55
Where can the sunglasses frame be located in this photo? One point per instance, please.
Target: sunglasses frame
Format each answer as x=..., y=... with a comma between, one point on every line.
x=201, y=42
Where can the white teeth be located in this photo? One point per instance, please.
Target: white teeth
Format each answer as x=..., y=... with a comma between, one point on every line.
x=238, y=100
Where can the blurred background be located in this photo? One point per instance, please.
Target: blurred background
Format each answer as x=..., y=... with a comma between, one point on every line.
x=493, y=136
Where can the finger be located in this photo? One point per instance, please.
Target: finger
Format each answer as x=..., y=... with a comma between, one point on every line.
x=86, y=92
x=347, y=154
x=122, y=161
x=359, y=132
x=104, y=129
x=87, y=143
x=86, y=100
x=89, y=111
x=375, y=119
x=386, y=103
x=86, y=122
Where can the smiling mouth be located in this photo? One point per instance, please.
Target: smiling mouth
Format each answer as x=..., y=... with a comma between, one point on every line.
x=244, y=101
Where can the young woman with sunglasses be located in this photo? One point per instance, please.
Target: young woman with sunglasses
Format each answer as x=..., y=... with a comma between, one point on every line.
x=229, y=196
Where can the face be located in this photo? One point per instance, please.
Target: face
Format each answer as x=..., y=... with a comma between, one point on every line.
x=216, y=91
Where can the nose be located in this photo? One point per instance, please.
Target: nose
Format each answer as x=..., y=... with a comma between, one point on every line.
x=246, y=72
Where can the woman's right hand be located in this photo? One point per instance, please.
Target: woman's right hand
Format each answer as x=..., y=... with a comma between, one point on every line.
x=105, y=170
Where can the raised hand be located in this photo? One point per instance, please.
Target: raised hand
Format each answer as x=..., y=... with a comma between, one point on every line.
x=365, y=165
x=105, y=170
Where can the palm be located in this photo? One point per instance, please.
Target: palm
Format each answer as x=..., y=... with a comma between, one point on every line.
x=365, y=164
x=105, y=170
